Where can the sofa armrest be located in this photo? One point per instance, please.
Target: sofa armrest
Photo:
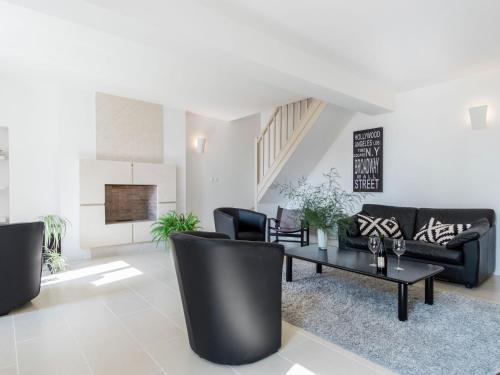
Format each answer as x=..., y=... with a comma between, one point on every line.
x=478, y=229
x=347, y=227
x=480, y=257
x=226, y=224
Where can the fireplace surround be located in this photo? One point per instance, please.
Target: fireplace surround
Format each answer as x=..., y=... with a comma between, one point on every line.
x=119, y=200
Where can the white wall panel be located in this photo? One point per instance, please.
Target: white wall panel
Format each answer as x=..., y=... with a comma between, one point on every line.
x=94, y=174
x=162, y=175
x=94, y=232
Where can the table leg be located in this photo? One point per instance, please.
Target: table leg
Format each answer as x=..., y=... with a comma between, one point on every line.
x=429, y=290
x=288, y=268
x=319, y=268
x=402, y=302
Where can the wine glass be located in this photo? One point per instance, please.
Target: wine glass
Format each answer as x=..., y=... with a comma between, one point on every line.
x=373, y=245
x=399, y=248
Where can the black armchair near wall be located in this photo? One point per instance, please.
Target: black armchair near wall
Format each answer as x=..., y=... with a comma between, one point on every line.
x=240, y=224
x=20, y=264
x=231, y=294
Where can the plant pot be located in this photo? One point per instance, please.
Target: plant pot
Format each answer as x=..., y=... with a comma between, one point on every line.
x=322, y=239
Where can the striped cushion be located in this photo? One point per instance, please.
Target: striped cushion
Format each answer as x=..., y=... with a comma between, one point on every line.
x=377, y=226
x=438, y=233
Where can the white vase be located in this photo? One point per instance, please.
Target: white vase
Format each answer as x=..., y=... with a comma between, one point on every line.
x=322, y=239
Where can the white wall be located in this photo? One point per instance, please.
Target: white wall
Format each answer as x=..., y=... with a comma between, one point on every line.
x=265, y=117
x=432, y=157
x=174, y=149
x=224, y=175
x=51, y=127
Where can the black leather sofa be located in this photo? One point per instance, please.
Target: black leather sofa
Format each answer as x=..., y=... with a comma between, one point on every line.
x=240, y=224
x=231, y=295
x=20, y=264
x=469, y=261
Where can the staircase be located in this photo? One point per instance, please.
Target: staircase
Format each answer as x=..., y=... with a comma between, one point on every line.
x=295, y=138
x=285, y=129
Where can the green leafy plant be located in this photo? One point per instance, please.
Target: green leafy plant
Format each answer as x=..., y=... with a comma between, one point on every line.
x=55, y=228
x=55, y=261
x=323, y=206
x=173, y=222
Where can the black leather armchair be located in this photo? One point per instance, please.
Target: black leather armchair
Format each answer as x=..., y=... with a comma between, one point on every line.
x=231, y=294
x=240, y=224
x=20, y=264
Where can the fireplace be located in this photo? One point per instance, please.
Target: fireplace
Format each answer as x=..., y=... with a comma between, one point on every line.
x=129, y=203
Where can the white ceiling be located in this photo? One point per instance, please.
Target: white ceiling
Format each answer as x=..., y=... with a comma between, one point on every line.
x=402, y=44
x=230, y=58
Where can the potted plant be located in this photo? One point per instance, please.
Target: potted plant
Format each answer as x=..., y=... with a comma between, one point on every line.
x=173, y=222
x=55, y=227
x=324, y=206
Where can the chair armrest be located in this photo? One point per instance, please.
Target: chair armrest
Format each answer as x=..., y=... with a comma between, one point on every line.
x=304, y=225
x=226, y=224
x=273, y=220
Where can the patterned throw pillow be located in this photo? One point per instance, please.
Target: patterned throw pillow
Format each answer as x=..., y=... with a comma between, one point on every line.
x=377, y=226
x=436, y=232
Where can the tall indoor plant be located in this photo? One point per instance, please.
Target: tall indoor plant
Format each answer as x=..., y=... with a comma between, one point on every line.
x=324, y=206
x=55, y=227
x=173, y=222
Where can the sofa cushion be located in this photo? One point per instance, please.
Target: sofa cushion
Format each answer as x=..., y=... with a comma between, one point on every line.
x=377, y=226
x=453, y=216
x=414, y=249
x=405, y=216
x=478, y=229
x=360, y=242
x=432, y=252
x=436, y=232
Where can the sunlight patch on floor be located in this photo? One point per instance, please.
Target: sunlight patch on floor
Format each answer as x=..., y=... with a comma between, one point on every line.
x=122, y=274
x=297, y=369
x=83, y=272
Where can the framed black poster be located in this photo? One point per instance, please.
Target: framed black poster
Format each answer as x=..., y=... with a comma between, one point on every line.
x=368, y=160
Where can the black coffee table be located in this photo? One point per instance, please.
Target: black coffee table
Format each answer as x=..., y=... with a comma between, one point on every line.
x=358, y=262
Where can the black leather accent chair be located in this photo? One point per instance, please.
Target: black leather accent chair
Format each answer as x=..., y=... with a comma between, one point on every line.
x=468, y=259
x=20, y=264
x=287, y=227
x=231, y=294
x=240, y=224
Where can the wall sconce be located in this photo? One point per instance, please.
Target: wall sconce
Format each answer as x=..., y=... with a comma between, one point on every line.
x=478, y=117
x=200, y=145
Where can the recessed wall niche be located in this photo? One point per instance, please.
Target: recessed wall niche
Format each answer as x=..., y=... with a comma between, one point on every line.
x=130, y=203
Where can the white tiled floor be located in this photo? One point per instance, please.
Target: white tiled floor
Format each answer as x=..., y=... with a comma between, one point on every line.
x=123, y=315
